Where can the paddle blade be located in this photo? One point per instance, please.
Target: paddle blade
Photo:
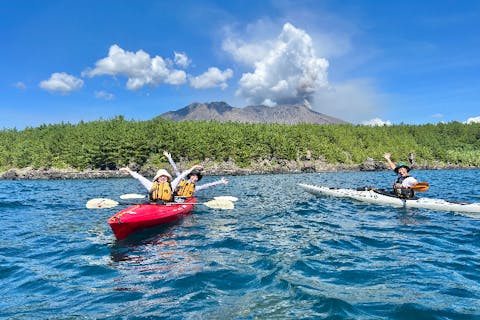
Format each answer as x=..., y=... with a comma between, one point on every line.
x=421, y=186
x=101, y=203
x=220, y=204
x=229, y=198
x=132, y=196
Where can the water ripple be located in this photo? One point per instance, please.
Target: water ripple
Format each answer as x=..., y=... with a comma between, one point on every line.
x=280, y=254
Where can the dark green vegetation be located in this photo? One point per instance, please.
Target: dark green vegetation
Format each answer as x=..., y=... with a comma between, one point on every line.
x=111, y=144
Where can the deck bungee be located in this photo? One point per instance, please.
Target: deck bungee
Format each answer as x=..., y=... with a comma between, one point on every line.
x=141, y=216
x=382, y=197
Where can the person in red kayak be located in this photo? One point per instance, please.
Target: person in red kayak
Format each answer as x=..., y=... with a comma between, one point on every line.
x=162, y=187
x=187, y=187
x=402, y=187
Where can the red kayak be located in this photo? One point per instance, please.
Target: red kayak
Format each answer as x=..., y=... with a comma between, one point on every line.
x=143, y=216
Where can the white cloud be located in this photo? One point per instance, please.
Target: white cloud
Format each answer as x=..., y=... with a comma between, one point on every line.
x=286, y=70
x=181, y=59
x=61, y=82
x=214, y=77
x=437, y=115
x=377, y=122
x=20, y=85
x=283, y=65
x=473, y=120
x=138, y=67
x=104, y=95
x=269, y=103
x=176, y=77
x=261, y=40
x=246, y=53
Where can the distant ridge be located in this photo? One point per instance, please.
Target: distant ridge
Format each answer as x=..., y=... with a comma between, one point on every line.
x=222, y=112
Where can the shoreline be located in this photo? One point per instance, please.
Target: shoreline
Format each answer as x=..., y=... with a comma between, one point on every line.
x=217, y=169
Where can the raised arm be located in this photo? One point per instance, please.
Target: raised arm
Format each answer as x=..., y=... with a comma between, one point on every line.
x=390, y=162
x=144, y=181
x=183, y=175
x=211, y=184
x=172, y=163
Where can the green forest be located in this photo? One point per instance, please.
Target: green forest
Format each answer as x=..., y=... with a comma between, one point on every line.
x=114, y=143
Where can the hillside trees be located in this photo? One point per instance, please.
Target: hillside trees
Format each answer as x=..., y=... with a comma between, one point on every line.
x=113, y=143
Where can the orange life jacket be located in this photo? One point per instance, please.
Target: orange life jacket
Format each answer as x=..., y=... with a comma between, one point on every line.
x=185, y=189
x=161, y=191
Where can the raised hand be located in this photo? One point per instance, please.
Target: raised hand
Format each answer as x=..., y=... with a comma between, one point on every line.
x=197, y=167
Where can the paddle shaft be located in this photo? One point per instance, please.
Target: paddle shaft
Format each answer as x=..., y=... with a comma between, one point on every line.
x=103, y=203
x=420, y=187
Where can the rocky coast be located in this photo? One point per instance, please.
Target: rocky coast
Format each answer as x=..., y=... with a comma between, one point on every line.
x=227, y=168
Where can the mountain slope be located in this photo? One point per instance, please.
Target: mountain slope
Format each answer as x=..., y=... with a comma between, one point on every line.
x=222, y=112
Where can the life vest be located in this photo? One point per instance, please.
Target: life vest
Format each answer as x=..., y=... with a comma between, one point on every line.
x=185, y=189
x=160, y=191
x=401, y=191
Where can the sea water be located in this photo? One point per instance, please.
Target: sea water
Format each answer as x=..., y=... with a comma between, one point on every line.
x=280, y=254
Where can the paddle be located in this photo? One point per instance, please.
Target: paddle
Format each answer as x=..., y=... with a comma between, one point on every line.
x=420, y=186
x=141, y=196
x=228, y=198
x=103, y=203
x=132, y=196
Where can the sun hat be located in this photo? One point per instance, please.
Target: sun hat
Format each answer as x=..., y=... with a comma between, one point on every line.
x=162, y=172
x=196, y=173
x=401, y=165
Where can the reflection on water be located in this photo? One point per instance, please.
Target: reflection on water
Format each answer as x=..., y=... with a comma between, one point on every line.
x=281, y=253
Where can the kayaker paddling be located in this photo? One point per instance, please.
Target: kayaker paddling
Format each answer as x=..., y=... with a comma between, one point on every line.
x=402, y=186
x=376, y=196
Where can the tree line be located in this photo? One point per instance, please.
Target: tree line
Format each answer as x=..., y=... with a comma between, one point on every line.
x=114, y=143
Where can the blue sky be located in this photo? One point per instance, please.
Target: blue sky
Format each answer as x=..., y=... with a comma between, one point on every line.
x=364, y=62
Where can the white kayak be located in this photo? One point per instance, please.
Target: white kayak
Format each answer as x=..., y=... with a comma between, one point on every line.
x=379, y=197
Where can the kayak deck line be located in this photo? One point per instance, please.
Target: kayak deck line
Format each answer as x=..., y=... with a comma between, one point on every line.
x=371, y=196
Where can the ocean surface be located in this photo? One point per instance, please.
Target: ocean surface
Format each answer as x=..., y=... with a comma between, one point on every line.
x=280, y=254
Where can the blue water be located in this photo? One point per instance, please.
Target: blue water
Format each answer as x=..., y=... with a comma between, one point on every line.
x=280, y=254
